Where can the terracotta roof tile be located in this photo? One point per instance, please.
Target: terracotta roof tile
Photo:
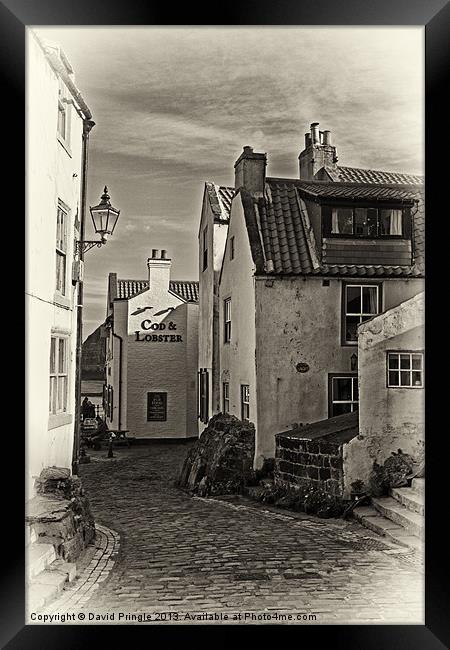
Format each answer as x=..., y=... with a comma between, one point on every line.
x=287, y=238
x=220, y=198
x=185, y=289
x=356, y=175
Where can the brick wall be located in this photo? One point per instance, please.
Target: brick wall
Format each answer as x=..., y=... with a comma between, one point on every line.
x=309, y=463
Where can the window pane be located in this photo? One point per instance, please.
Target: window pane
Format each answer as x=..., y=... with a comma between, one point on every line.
x=52, y=355
x=351, y=323
x=60, y=273
x=52, y=394
x=417, y=378
x=405, y=361
x=353, y=300
x=372, y=222
x=345, y=221
x=342, y=388
x=393, y=378
x=62, y=356
x=369, y=300
x=385, y=222
x=417, y=361
x=393, y=361
x=63, y=381
x=405, y=378
x=62, y=121
x=340, y=409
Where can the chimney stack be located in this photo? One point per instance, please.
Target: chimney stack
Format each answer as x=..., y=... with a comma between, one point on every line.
x=318, y=159
x=159, y=271
x=250, y=171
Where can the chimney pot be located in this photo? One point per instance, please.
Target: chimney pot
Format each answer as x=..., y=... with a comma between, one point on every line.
x=163, y=254
x=327, y=138
x=248, y=149
x=315, y=136
x=307, y=140
x=154, y=253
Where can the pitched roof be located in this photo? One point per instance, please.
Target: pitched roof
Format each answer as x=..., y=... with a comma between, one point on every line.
x=185, y=289
x=367, y=191
x=286, y=244
x=338, y=429
x=356, y=175
x=220, y=198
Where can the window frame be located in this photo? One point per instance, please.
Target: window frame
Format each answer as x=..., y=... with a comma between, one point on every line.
x=61, y=251
x=226, y=396
x=410, y=369
x=227, y=323
x=357, y=283
x=205, y=248
x=326, y=220
x=245, y=403
x=63, y=109
x=58, y=375
x=341, y=375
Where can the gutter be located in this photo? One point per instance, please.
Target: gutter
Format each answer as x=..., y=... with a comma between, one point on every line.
x=62, y=70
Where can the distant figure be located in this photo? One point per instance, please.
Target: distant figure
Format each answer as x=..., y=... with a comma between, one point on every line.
x=91, y=410
x=85, y=408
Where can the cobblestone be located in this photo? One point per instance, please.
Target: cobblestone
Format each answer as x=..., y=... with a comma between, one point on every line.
x=181, y=555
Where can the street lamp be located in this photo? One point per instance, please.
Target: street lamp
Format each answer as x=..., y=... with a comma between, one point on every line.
x=104, y=218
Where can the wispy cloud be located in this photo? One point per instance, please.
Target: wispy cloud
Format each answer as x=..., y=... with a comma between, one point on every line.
x=175, y=106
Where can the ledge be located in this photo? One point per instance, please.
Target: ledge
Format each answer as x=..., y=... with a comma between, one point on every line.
x=59, y=420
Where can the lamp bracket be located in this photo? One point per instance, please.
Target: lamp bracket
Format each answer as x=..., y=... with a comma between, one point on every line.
x=86, y=245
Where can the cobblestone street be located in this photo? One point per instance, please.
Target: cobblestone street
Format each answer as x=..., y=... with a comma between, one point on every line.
x=181, y=555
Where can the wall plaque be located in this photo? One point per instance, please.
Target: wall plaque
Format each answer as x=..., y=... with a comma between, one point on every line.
x=302, y=367
x=156, y=407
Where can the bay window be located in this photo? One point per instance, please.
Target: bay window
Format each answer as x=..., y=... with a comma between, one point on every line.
x=369, y=222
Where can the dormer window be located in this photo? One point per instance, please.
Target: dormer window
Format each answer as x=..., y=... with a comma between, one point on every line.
x=365, y=221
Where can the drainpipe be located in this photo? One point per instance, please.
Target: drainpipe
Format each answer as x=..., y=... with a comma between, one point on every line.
x=120, y=374
x=87, y=126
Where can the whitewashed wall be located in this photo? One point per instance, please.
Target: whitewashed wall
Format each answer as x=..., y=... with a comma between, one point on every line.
x=52, y=173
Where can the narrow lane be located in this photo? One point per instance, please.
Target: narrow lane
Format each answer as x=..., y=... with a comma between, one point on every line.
x=183, y=555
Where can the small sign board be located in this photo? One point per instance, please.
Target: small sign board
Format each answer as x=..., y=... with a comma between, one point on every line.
x=156, y=407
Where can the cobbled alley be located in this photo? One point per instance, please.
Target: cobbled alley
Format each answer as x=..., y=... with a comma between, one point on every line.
x=164, y=557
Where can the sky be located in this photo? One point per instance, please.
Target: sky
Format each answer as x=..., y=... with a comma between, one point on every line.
x=174, y=107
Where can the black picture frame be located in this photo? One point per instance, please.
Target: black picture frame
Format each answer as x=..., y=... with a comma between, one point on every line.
x=157, y=406
x=15, y=15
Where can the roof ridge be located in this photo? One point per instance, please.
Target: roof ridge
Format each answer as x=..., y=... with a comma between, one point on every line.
x=380, y=171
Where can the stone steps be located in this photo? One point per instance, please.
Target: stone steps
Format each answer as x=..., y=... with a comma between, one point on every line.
x=418, y=485
x=399, y=517
x=370, y=518
x=412, y=500
x=46, y=575
x=393, y=510
x=39, y=556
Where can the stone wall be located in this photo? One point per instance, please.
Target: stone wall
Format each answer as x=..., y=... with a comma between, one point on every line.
x=60, y=513
x=221, y=460
x=301, y=463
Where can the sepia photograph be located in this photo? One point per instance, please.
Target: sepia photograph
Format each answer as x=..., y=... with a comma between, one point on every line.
x=225, y=307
